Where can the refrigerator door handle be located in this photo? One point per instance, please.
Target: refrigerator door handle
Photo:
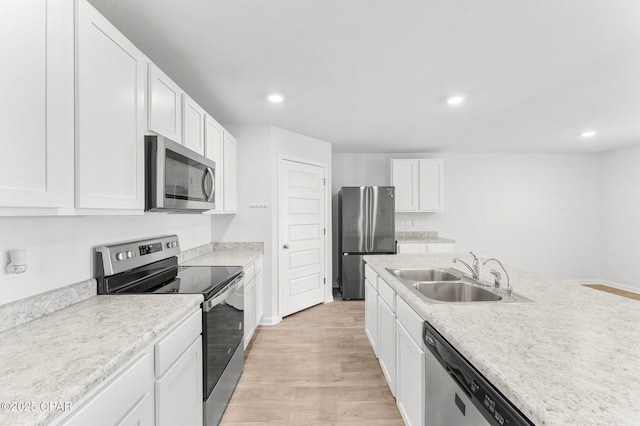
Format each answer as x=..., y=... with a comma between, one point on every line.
x=369, y=227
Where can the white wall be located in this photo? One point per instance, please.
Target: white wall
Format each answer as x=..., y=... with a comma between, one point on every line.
x=621, y=217
x=60, y=249
x=540, y=212
x=260, y=149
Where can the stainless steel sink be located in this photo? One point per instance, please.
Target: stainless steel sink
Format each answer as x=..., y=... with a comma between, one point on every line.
x=456, y=291
x=426, y=275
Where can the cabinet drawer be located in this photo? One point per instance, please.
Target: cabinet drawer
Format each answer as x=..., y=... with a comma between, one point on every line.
x=412, y=248
x=121, y=396
x=387, y=294
x=249, y=272
x=410, y=320
x=169, y=349
x=440, y=248
x=258, y=265
x=370, y=275
x=374, y=285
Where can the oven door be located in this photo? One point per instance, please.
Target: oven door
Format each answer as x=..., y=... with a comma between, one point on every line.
x=178, y=179
x=223, y=342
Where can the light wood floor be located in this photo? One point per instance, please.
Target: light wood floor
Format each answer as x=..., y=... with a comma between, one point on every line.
x=614, y=290
x=314, y=368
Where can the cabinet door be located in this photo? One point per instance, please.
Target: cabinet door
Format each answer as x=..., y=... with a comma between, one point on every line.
x=110, y=115
x=36, y=106
x=141, y=414
x=412, y=248
x=404, y=176
x=371, y=315
x=431, y=185
x=164, y=107
x=179, y=390
x=213, y=143
x=193, y=117
x=120, y=399
x=409, y=378
x=249, y=311
x=259, y=290
x=387, y=343
x=230, y=180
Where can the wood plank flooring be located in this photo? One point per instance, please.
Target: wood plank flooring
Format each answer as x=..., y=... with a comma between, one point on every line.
x=614, y=290
x=314, y=368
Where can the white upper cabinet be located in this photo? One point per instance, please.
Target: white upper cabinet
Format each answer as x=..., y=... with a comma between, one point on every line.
x=230, y=178
x=193, y=118
x=36, y=106
x=164, y=105
x=404, y=176
x=419, y=184
x=110, y=115
x=213, y=144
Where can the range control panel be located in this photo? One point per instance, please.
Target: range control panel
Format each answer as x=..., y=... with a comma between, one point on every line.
x=125, y=256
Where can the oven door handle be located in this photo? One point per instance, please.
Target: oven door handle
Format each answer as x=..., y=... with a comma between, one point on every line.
x=209, y=304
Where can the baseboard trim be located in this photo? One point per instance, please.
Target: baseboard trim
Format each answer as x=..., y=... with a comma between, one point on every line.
x=269, y=320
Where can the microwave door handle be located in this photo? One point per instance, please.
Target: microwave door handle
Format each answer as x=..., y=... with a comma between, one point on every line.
x=207, y=172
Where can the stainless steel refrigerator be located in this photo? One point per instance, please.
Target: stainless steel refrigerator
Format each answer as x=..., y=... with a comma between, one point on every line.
x=366, y=225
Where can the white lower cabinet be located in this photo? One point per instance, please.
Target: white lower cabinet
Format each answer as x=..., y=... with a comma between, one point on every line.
x=409, y=378
x=253, y=299
x=122, y=399
x=394, y=330
x=179, y=390
x=387, y=343
x=259, y=291
x=371, y=314
x=141, y=414
x=249, y=311
x=161, y=386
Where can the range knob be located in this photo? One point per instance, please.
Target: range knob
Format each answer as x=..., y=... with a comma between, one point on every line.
x=129, y=254
x=120, y=256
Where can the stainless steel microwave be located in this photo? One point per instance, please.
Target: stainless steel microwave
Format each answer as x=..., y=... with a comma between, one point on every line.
x=177, y=179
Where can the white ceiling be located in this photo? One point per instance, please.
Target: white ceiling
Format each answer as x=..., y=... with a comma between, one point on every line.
x=373, y=75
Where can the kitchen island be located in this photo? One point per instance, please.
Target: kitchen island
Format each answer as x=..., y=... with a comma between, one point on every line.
x=569, y=357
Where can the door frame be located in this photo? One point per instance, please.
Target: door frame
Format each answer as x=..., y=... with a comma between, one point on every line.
x=328, y=285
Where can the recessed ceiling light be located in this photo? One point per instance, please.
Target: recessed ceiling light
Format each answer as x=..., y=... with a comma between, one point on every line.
x=276, y=98
x=456, y=100
x=588, y=133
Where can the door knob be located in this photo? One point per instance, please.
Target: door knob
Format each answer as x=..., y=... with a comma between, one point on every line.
x=286, y=246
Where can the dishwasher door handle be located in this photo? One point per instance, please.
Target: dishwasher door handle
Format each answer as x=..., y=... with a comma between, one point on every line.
x=458, y=380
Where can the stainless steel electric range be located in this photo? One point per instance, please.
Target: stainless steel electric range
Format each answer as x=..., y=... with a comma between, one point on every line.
x=151, y=266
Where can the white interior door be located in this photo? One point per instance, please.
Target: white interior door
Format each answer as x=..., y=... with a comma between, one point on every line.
x=302, y=236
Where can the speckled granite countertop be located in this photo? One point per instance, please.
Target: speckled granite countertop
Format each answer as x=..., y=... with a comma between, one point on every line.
x=241, y=258
x=572, y=357
x=66, y=354
x=422, y=238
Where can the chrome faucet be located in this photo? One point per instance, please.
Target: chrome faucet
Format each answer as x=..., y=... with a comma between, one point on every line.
x=475, y=269
x=498, y=276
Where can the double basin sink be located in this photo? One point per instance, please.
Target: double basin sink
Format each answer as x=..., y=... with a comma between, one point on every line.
x=449, y=285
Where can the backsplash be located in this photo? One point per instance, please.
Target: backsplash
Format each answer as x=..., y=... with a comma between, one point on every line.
x=30, y=308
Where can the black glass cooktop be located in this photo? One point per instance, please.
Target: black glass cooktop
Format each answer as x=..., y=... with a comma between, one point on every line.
x=206, y=280
x=166, y=277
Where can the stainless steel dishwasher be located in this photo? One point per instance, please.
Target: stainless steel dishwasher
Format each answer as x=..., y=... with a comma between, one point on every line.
x=457, y=394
